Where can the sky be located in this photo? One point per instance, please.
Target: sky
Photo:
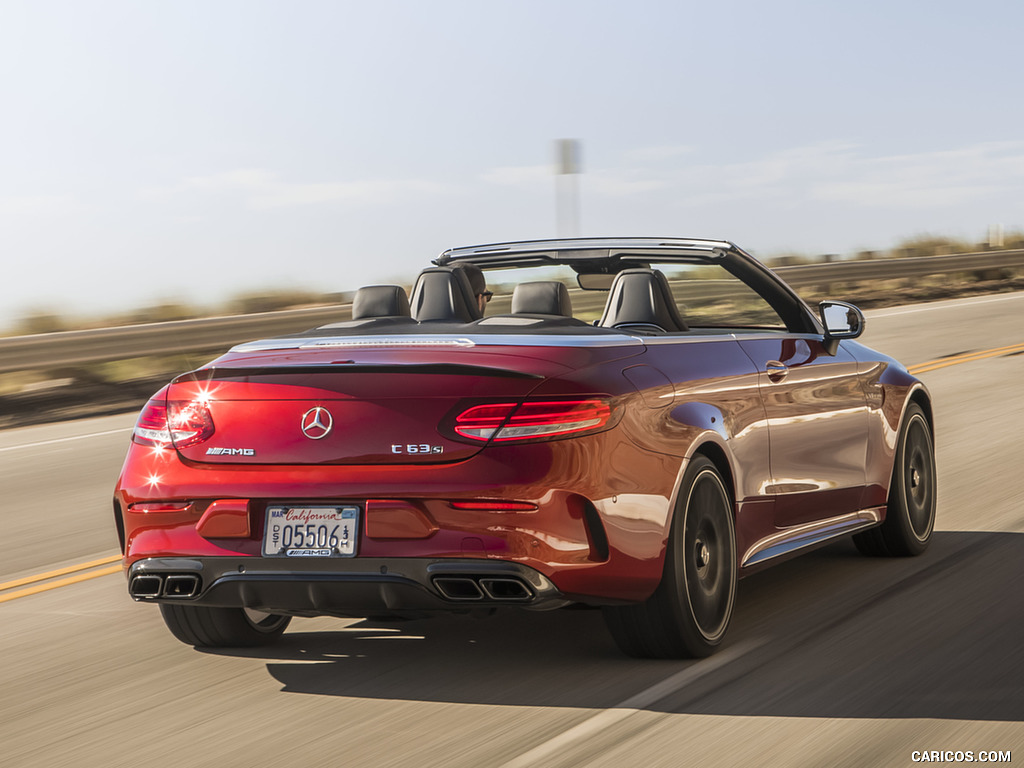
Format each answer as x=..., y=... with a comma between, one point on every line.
x=192, y=151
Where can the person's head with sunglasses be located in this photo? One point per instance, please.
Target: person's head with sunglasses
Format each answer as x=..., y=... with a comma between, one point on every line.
x=478, y=283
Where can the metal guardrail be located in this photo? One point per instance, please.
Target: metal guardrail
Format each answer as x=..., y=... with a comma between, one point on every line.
x=74, y=348
x=892, y=269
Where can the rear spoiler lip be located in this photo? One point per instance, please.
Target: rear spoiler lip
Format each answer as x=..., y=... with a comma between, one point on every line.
x=218, y=373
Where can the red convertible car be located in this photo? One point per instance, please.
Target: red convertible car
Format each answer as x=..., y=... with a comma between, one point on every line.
x=632, y=424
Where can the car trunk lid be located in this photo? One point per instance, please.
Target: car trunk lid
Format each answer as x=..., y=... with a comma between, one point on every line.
x=369, y=407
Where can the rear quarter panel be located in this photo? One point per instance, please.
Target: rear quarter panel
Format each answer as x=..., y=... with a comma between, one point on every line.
x=683, y=395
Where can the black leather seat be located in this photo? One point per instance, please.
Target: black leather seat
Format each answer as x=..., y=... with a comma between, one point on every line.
x=543, y=297
x=443, y=294
x=380, y=301
x=640, y=299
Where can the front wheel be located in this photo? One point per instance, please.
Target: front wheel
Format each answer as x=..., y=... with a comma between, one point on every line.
x=689, y=612
x=208, y=627
x=910, y=513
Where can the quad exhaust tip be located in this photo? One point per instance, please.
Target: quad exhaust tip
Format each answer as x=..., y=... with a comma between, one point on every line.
x=459, y=588
x=454, y=588
x=186, y=585
x=173, y=585
x=145, y=586
x=506, y=589
x=470, y=588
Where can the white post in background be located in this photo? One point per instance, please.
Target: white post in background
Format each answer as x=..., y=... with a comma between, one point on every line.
x=995, y=236
x=567, y=188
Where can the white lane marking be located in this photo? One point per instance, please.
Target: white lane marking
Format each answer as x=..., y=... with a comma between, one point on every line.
x=65, y=439
x=632, y=705
x=950, y=304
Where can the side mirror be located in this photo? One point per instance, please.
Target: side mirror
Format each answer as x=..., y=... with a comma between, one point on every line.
x=841, y=321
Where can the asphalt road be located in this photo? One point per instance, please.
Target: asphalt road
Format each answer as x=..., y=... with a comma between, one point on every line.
x=832, y=660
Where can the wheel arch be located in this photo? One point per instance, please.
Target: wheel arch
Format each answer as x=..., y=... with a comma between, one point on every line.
x=920, y=396
x=717, y=455
x=710, y=446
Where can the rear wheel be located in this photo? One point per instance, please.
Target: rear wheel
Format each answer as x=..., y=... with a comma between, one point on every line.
x=208, y=627
x=910, y=513
x=689, y=612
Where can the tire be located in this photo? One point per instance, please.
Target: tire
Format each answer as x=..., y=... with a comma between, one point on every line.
x=207, y=627
x=910, y=512
x=689, y=612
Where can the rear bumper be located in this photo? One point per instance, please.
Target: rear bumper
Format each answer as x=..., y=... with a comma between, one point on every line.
x=596, y=530
x=357, y=587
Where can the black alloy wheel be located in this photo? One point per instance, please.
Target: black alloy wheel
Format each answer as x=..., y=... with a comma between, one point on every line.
x=689, y=612
x=910, y=512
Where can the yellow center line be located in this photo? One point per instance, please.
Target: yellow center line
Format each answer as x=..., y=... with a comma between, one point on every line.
x=59, y=572
x=966, y=357
x=1010, y=348
x=59, y=583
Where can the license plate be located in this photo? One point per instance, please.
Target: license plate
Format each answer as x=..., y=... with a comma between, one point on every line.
x=311, y=532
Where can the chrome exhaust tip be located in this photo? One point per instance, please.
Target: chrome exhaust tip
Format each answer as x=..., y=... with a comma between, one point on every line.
x=458, y=588
x=145, y=586
x=183, y=585
x=506, y=589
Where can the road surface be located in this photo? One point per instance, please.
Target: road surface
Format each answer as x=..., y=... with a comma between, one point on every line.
x=833, y=659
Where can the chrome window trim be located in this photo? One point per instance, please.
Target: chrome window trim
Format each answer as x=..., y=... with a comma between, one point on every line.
x=465, y=341
x=726, y=334
x=613, y=245
x=462, y=341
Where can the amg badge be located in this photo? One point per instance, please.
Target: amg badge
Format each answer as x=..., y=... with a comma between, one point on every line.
x=230, y=452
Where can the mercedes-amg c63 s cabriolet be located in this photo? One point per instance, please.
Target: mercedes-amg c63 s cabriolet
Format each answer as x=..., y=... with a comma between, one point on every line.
x=632, y=424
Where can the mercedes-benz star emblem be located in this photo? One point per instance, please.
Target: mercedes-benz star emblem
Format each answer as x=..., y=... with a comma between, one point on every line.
x=317, y=423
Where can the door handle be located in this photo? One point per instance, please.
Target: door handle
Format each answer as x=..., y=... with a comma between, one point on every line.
x=776, y=371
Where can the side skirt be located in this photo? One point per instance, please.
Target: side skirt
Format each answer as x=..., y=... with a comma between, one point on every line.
x=789, y=540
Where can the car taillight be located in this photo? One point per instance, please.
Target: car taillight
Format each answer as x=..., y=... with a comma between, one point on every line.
x=180, y=423
x=505, y=421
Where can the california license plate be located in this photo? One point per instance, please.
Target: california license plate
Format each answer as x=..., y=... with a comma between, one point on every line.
x=311, y=531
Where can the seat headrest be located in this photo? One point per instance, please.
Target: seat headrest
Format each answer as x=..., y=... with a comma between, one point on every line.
x=477, y=281
x=642, y=297
x=543, y=297
x=444, y=294
x=380, y=301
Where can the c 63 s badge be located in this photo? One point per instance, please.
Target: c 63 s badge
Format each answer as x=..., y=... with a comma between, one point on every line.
x=230, y=451
x=418, y=448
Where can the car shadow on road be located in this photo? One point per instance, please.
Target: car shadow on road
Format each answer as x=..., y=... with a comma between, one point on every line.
x=832, y=634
